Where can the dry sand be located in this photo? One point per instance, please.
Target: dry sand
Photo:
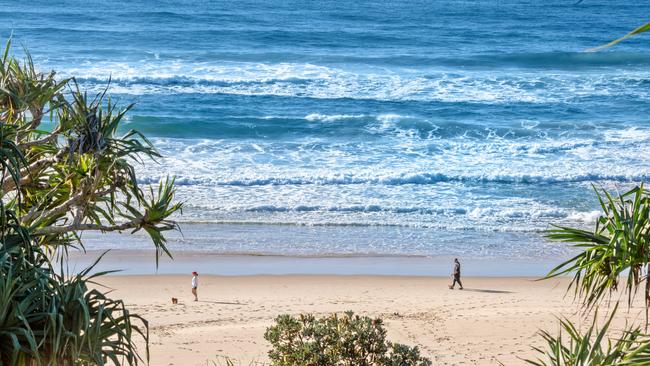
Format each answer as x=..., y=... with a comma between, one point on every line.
x=493, y=319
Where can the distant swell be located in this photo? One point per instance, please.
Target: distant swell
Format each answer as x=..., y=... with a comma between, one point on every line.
x=553, y=60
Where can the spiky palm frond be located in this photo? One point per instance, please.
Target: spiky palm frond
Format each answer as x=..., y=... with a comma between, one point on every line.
x=618, y=248
x=593, y=347
x=637, y=31
x=48, y=319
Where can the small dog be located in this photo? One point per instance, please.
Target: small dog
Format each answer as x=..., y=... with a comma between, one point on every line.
x=174, y=301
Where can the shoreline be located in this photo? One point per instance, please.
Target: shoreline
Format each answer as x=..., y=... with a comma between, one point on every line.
x=326, y=241
x=142, y=262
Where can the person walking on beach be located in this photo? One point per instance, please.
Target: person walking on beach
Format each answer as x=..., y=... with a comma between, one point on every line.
x=195, y=285
x=456, y=275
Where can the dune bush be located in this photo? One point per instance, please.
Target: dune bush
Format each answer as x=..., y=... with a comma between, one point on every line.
x=347, y=339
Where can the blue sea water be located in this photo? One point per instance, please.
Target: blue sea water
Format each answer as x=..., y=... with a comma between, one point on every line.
x=367, y=127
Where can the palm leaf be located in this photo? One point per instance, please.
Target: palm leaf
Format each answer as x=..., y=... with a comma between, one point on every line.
x=639, y=30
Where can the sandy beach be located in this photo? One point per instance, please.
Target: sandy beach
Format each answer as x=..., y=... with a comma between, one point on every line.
x=493, y=320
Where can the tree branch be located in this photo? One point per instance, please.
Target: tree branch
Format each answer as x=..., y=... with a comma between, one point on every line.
x=67, y=205
x=82, y=227
x=58, y=210
x=37, y=115
x=50, y=138
x=27, y=173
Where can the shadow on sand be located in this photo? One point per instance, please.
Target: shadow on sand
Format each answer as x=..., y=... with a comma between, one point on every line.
x=488, y=291
x=222, y=302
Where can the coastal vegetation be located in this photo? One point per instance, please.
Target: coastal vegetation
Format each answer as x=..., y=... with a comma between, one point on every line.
x=593, y=347
x=347, y=339
x=65, y=170
x=617, y=249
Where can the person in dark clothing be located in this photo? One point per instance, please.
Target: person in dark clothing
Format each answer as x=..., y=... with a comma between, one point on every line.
x=456, y=275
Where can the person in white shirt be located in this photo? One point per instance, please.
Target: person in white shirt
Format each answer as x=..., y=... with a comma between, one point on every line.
x=195, y=285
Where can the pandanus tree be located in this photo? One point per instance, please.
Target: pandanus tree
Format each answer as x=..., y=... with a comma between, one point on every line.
x=592, y=347
x=617, y=250
x=67, y=167
x=614, y=256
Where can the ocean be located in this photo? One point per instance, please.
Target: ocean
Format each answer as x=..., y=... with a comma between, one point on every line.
x=340, y=128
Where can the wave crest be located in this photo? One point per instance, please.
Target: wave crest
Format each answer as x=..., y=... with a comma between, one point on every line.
x=405, y=179
x=330, y=82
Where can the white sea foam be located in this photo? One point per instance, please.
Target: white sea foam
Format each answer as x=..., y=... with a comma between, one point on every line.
x=630, y=134
x=492, y=183
x=318, y=81
x=406, y=179
x=586, y=217
x=332, y=117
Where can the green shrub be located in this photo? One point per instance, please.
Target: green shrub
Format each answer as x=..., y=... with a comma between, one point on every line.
x=336, y=340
